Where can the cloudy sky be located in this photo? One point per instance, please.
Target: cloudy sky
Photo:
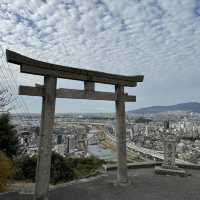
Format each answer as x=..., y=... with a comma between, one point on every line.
x=159, y=39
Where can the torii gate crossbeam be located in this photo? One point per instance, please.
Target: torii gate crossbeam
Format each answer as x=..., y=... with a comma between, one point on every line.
x=49, y=93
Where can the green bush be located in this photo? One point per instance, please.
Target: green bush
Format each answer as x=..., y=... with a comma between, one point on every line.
x=25, y=167
x=84, y=167
x=62, y=169
x=6, y=169
x=8, y=138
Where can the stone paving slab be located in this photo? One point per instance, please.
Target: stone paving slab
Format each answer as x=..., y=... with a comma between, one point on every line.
x=175, y=172
x=146, y=185
x=9, y=196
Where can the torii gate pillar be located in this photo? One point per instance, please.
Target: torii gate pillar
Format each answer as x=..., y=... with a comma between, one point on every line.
x=45, y=139
x=122, y=175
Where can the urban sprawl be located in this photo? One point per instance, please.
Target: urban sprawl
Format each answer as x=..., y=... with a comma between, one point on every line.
x=82, y=135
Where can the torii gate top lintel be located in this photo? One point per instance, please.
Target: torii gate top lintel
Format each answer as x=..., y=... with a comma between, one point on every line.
x=29, y=65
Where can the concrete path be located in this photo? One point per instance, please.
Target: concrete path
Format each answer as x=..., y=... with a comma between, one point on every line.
x=146, y=186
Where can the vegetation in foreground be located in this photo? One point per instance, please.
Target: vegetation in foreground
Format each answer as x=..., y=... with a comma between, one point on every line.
x=62, y=169
x=8, y=149
x=23, y=167
x=6, y=171
x=8, y=136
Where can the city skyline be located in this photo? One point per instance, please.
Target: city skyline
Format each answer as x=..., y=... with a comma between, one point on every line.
x=157, y=39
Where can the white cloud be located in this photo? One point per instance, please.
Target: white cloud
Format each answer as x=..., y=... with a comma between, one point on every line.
x=157, y=38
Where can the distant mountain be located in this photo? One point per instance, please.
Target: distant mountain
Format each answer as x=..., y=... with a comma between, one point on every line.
x=188, y=107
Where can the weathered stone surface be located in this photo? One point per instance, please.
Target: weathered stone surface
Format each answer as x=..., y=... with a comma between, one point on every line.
x=46, y=131
x=146, y=186
x=31, y=66
x=168, y=166
x=76, y=94
x=122, y=175
x=9, y=196
x=166, y=171
x=169, y=152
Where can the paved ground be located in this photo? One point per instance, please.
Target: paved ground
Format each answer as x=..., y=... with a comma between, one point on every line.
x=146, y=186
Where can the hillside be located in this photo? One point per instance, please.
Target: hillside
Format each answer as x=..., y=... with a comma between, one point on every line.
x=188, y=107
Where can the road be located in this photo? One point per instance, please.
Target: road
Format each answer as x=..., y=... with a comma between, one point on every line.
x=149, y=152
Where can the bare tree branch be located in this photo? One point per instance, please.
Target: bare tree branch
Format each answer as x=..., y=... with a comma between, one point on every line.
x=6, y=100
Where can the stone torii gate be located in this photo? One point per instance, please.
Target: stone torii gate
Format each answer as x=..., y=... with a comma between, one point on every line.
x=49, y=93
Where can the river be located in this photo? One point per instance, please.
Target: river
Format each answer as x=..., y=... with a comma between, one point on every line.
x=100, y=152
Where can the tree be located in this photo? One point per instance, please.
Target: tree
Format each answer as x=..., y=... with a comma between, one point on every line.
x=60, y=171
x=25, y=168
x=142, y=120
x=8, y=136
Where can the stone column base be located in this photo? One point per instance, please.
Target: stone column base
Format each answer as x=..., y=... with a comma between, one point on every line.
x=165, y=171
x=117, y=183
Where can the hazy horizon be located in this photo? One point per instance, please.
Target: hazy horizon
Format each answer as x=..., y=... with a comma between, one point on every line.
x=57, y=113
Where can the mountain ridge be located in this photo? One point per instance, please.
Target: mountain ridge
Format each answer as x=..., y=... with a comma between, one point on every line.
x=187, y=107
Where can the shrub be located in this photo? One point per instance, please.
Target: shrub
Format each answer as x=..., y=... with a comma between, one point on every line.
x=84, y=167
x=8, y=138
x=6, y=169
x=62, y=169
x=25, y=168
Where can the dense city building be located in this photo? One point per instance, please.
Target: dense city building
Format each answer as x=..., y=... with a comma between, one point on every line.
x=74, y=134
